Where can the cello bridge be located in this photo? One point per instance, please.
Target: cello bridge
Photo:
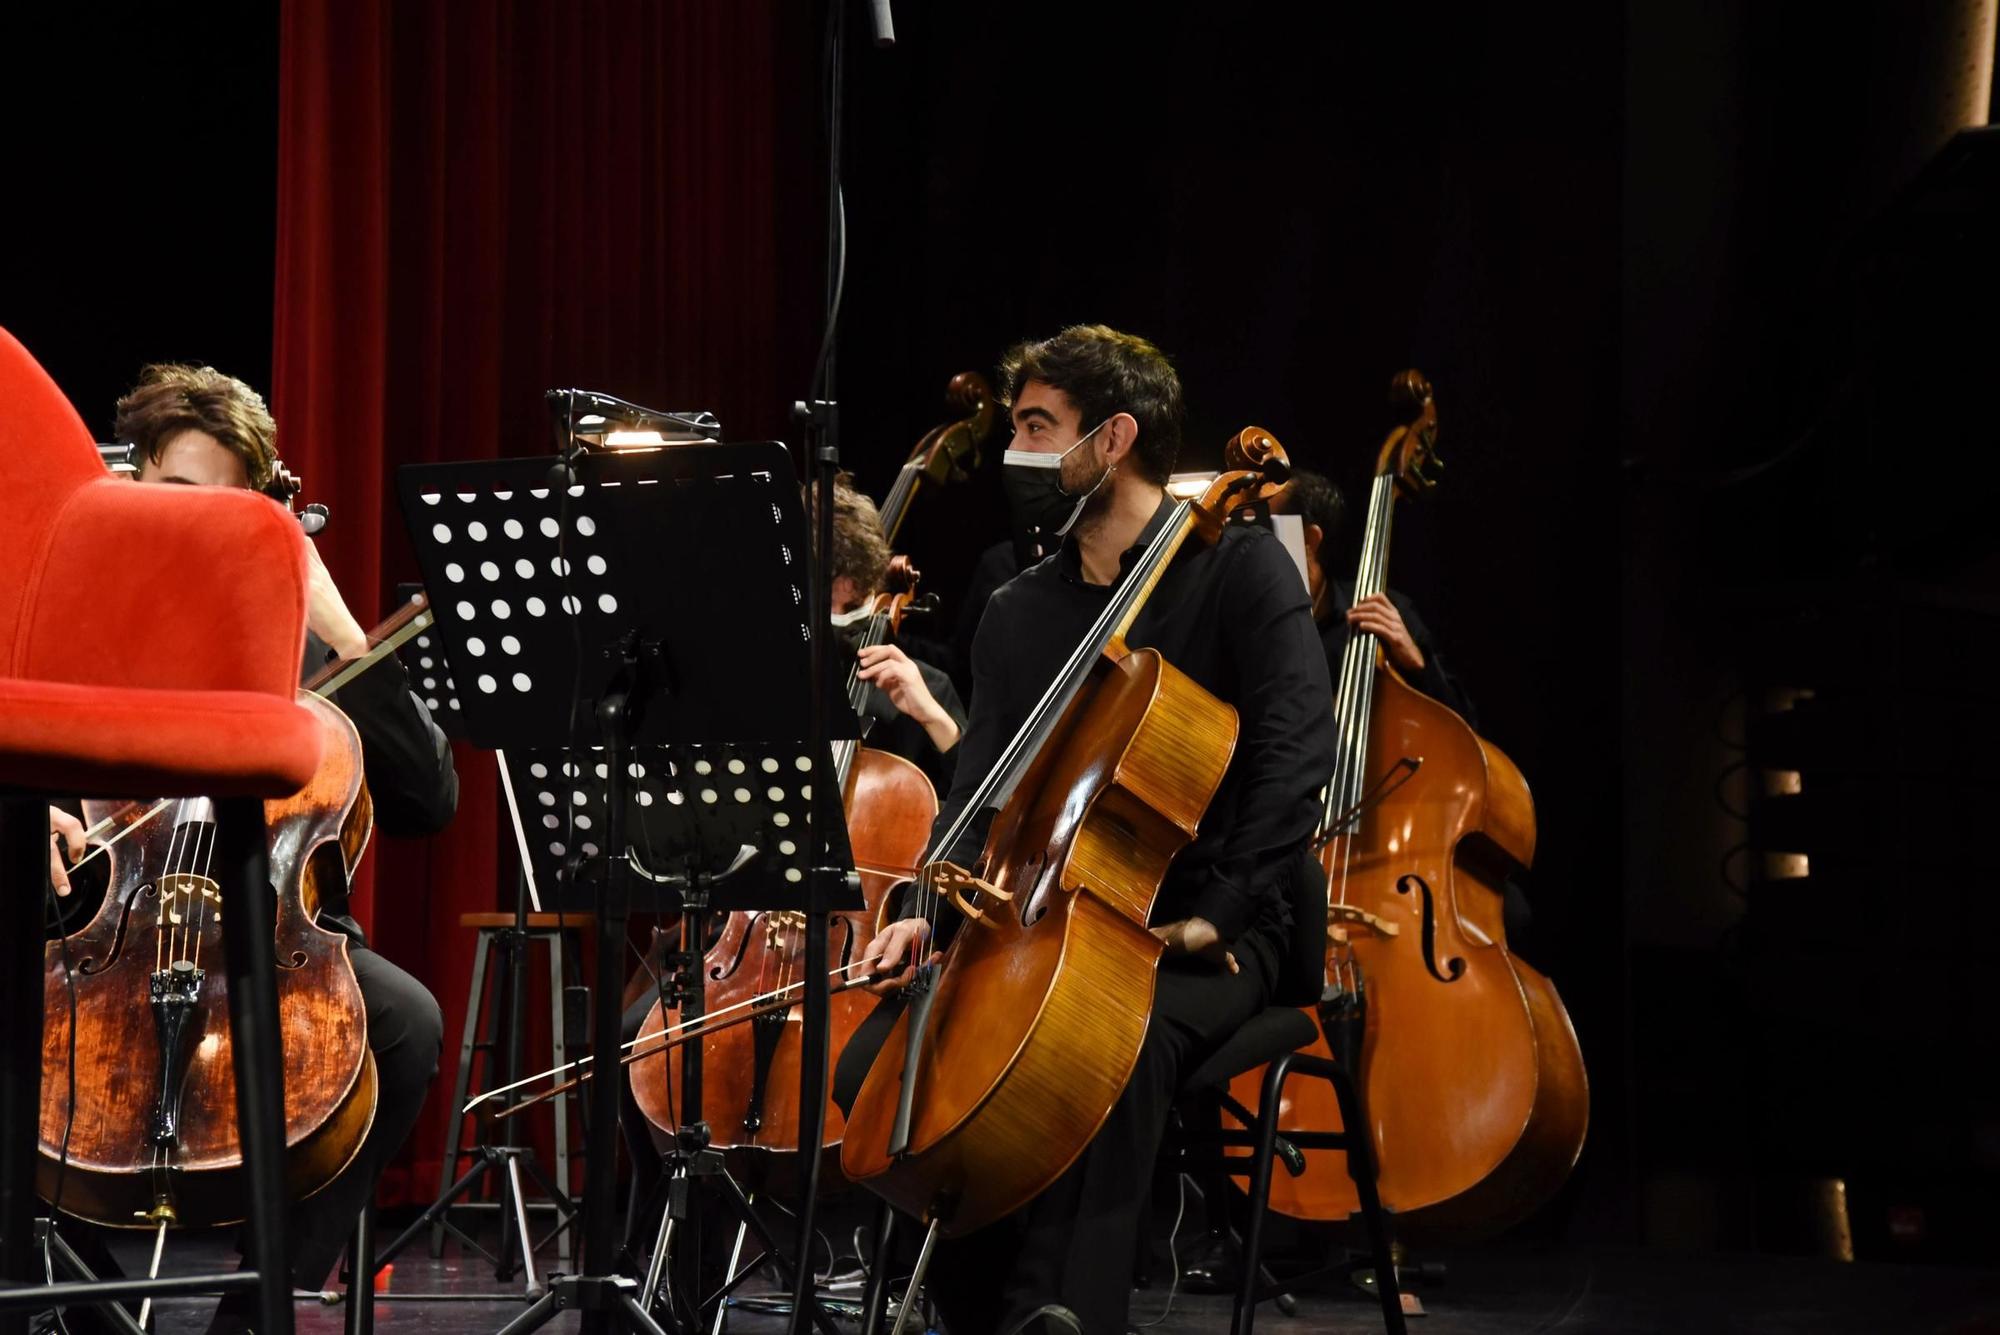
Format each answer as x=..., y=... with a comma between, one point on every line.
x=186, y=895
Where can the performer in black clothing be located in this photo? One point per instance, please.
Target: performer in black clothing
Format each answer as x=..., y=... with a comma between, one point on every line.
x=911, y=709
x=196, y=426
x=1234, y=618
x=1405, y=638
x=1409, y=645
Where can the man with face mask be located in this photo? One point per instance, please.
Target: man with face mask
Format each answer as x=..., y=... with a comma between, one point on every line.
x=1096, y=417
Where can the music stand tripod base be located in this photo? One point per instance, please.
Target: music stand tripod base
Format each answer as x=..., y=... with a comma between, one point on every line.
x=587, y=611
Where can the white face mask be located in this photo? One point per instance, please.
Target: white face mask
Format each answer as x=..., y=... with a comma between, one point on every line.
x=1042, y=509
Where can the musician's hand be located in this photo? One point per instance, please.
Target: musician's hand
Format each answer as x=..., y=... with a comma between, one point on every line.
x=1197, y=937
x=1379, y=617
x=326, y=611
x=899, y=947
x=66, y=833
x=899, y=678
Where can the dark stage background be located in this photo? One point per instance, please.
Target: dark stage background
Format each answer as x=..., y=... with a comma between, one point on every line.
x=1700, y=446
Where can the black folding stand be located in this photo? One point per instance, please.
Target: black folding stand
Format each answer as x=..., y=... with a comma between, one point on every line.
x=667, y=592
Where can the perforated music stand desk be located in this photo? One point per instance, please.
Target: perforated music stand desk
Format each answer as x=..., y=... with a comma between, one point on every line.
x=698, y=549
x=639, y=644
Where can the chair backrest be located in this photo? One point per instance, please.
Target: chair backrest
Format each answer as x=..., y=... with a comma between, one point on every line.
x=1302, y=971
x=46, y=453
x=108, y=583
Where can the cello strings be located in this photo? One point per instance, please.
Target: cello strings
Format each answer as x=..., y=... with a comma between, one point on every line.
x=207, y=878
x=166, y=943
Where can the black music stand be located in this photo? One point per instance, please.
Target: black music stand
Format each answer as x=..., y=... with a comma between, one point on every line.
x=611, y=595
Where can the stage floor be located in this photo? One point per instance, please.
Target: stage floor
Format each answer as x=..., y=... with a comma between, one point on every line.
x=1503, y=1290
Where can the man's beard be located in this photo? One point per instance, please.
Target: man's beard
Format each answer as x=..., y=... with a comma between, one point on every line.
x=1095, y=510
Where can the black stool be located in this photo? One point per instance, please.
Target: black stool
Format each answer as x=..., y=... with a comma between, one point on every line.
x=1275, y=1036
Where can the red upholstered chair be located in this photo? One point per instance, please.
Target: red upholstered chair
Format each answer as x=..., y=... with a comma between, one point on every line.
x=150, y=640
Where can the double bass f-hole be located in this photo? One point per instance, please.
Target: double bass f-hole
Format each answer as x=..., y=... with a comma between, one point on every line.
x=1454, y=968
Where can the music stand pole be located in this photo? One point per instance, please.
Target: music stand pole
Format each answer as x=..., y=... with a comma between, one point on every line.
x=589, y=547
x=619, y=710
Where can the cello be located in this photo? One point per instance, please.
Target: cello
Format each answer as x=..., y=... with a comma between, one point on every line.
x=1012, y=1050
x=149, y=1137
x=1470, y=1070
x=750, y=1084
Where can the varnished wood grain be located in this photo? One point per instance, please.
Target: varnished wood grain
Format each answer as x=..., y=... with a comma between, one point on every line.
x=1475, y=1088
x=329, y=1078
x=1041, y=1009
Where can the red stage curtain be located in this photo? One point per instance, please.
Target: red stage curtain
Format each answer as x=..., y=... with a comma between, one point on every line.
x=478, y=201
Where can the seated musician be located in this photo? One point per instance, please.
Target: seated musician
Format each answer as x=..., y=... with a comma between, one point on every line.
x=913, y=709
x=196, y=426
x=1391, y=618
x=1409, y=644
x=1234, y=618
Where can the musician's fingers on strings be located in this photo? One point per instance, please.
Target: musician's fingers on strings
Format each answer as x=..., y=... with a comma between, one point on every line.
x=66, y=836
x=894, y=954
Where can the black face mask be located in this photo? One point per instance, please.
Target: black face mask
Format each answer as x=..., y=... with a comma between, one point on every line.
x=1041, y=510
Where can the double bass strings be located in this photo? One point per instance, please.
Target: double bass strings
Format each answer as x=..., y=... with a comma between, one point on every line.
x=1357, y=680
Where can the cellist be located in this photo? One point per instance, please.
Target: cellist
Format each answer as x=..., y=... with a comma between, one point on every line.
x=1097, y=421
x=196, y=426
x=911, y=711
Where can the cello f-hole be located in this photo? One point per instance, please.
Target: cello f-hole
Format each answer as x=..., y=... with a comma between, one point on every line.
x=1455, y=966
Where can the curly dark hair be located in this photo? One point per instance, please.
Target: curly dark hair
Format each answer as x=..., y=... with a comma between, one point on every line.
x=860, y=551
x=1103, y=372
x=1316, y=500
x=172, y=398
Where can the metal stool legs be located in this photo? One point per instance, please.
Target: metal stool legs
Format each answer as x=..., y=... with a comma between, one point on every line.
x=24, y=863
x=502, y=1026
x=1361, y=1168
x=360, y=1317
x=250, y=927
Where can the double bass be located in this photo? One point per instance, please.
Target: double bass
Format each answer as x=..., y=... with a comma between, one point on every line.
x=1470, y=1071
x=750, y=1080
x=1010, y=1053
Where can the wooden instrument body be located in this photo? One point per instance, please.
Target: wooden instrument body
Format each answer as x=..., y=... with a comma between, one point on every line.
x=1042, y=1005
x=750, y=1072
x=1471, y=1072
x=329, y=1072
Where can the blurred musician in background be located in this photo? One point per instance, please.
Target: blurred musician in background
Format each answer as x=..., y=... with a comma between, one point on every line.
x=194, y=426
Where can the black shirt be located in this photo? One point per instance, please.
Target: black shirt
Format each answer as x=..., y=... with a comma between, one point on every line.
x=888, y=728
x=1236, y=619
x=405, y=757
x=1436, y=680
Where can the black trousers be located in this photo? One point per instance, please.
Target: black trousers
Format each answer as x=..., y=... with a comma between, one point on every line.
x=406, y=1034
x=1074, y=1243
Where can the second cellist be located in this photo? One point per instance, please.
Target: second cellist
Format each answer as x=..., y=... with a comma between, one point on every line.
x=1214, y=653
